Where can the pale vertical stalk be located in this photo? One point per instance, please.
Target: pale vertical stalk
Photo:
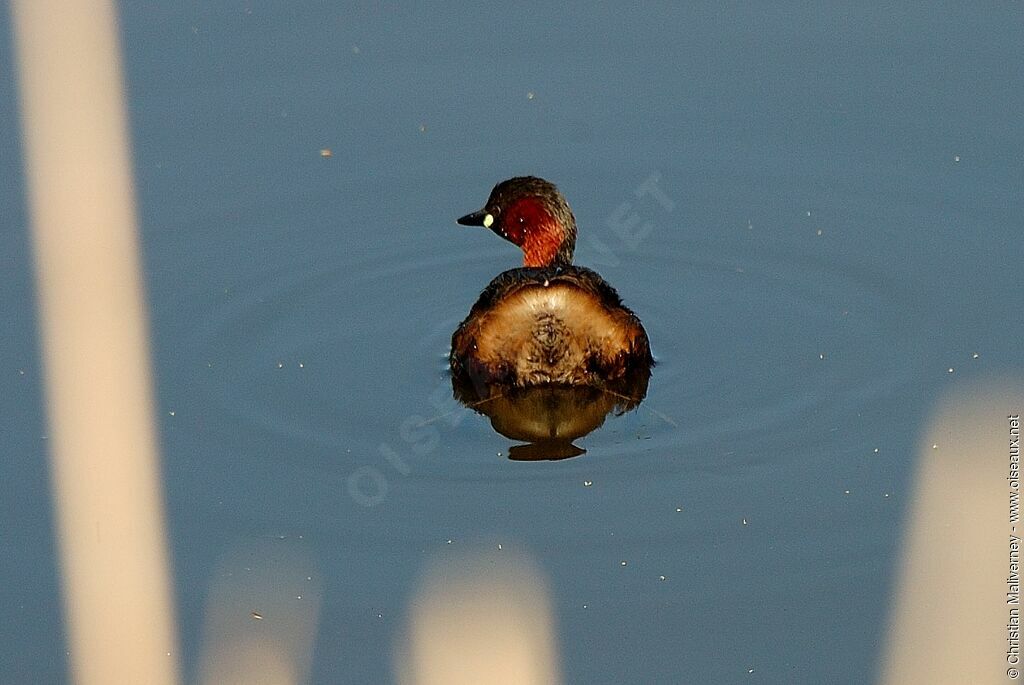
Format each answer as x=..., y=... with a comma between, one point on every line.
x=105, y=471
x=480, y=617
x=950, y=613
x=261, y=615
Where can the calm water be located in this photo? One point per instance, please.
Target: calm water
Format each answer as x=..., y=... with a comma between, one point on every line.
x=814, y=209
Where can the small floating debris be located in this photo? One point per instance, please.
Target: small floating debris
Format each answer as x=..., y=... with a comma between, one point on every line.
x=257, y=616
x=622, y=563
x=662, y=578
x=326, y=152
x=529, y=95
x=587, y=483
x=975, y=355
x=949, y=370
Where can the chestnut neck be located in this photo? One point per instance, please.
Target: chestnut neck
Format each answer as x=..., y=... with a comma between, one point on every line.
x=547, y=247
x=543, y=229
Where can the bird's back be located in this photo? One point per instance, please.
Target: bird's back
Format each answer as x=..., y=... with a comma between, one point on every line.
x=561, y=325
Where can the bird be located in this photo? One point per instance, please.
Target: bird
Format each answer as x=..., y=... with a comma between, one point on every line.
x=548, y=322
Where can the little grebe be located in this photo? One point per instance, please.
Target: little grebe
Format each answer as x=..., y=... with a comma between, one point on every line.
x=548, y=322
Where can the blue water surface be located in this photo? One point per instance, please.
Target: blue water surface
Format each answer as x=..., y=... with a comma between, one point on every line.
x=815, y=208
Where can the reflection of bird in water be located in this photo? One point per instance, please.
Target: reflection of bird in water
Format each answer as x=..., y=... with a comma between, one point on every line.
x=549, y=417
x=548, y=322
